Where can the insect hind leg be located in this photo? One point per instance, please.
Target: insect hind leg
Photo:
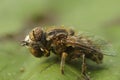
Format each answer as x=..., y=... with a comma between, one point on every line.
x=84, y=67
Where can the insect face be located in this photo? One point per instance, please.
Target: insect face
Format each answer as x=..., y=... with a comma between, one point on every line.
x=34, y=41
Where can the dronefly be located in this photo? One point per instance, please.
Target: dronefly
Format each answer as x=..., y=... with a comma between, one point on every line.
x=65, y=43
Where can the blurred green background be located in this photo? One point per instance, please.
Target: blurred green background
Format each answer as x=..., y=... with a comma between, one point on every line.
x=18, y=17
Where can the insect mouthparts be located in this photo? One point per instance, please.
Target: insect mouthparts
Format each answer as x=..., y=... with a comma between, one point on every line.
x=24, y=43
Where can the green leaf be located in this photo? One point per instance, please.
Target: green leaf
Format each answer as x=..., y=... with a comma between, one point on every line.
x=16, y=63
x=21, y=65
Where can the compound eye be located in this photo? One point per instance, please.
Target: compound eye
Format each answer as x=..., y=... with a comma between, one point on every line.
x=36, y=52
x=35, y=34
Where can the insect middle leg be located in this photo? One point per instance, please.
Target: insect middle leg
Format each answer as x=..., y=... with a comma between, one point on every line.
x=63, y=58
x=84, y=67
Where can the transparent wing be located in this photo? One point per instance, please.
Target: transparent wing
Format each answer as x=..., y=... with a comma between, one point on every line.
x=97, y=43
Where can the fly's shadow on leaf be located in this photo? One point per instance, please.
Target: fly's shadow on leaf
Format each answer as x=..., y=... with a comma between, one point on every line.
x=76, y=64
x=91, y=66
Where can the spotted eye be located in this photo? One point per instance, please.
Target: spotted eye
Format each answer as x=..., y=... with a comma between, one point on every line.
x=36, y=52
x=35, y=34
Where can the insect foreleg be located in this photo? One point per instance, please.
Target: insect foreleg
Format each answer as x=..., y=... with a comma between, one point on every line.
x=63, y=57
x=84, y=67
